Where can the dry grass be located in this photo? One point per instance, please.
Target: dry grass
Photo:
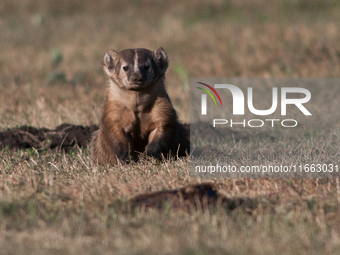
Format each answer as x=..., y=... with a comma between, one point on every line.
x=52, y=203
x=56, y=202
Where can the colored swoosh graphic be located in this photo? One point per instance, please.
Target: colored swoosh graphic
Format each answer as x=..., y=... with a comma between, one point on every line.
x=212, y=90
x=208, y=93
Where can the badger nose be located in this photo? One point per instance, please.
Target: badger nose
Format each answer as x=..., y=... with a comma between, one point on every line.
x=137, y=78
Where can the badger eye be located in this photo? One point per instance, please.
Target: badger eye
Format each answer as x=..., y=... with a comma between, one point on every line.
x=146, y=67
x=125, y=68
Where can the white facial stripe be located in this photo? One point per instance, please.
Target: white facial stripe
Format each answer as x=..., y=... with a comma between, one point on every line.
x=136, y=62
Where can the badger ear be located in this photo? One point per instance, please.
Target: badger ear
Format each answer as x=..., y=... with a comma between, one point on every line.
x=109, y=61
x=161, y=60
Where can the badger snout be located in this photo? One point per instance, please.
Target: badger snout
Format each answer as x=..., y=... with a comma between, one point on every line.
x=137, y=78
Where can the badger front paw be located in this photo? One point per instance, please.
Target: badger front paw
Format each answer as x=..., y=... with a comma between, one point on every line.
x=153, y=149
x=123, y=152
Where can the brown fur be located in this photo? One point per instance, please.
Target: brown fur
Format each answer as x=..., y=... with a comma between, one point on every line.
x=137, y=114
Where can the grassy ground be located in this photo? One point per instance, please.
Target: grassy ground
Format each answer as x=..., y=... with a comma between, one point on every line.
x=51, y=73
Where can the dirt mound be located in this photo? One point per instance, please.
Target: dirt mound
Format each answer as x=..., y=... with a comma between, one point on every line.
x=198, y=196
x=63, y=137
